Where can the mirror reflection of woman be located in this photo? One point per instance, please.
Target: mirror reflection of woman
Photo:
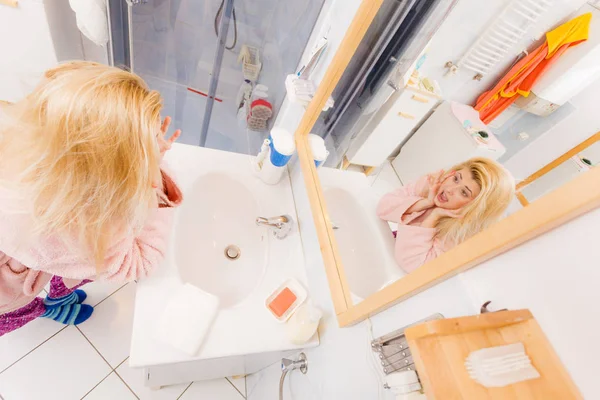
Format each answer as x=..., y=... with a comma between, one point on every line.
x=442, y=210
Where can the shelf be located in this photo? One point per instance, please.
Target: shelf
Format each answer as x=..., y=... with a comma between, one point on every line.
x=440, y=348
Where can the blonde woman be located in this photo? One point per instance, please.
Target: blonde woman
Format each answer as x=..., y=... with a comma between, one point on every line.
x=82, y=193
x=442, y=210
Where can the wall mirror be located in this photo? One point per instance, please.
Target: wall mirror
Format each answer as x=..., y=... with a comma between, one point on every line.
x=419, y=183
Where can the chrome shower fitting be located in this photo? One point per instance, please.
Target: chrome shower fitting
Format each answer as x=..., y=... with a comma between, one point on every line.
x=288, y=365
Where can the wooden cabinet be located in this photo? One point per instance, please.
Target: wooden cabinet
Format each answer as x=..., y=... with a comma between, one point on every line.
x=404, y=115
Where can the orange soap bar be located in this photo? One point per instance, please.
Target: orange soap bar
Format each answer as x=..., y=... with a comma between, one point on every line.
x=282, y=302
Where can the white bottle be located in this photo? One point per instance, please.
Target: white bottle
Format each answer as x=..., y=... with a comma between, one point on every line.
x=280, y=152
x=303, y=324
x=318, y=149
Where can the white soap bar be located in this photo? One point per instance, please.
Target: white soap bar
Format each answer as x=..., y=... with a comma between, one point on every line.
x=187, y=319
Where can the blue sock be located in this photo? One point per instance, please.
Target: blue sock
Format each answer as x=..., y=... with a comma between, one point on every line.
x=70, y=314
x=75, y=297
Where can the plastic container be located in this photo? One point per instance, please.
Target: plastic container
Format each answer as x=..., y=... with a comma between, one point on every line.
x=300, y=296
x=318, y=149
x=282, y=146
x=243, y=94
x=249, y=57
x=262, y=88
x=303, y=324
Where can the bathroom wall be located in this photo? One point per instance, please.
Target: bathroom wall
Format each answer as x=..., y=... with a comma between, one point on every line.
x=332, y=23
x=36, y=36
x=455, y=37
x=26, y=46
x=285, y=41
x=451, y=42
x=555, y=276
x=582, y=123
x=69, y=43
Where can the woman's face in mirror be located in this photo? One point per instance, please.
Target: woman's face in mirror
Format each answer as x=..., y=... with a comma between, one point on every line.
x=457, y=190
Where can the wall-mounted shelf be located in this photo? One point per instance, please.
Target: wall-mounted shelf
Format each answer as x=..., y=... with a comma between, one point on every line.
x=440, y=348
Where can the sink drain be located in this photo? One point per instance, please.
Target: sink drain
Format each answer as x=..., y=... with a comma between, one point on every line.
x=232, y=252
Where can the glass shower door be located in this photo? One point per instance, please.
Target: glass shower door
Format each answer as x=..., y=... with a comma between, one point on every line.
x=174, y=46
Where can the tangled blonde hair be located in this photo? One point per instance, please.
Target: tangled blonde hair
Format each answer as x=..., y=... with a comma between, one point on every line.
x=81, y=151
x=497, y=191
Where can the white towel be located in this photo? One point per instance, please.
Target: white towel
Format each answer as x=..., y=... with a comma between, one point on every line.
x=187, y=319
x=92, y=19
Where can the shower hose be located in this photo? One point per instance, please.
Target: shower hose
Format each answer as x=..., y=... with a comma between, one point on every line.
x=218, y=18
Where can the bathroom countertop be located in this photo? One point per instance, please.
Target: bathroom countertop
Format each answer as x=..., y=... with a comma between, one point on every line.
x=248, y=327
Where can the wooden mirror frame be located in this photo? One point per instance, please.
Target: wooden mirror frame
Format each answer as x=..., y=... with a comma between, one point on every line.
x=550, y=166
x=565, y=203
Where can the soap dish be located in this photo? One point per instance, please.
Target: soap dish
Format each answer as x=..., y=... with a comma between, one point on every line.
x=296, y=289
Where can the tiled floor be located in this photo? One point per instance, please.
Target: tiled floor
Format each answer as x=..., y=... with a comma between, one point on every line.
x=46, y=360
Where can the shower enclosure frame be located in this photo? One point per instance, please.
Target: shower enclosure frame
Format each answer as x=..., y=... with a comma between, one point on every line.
x=120, y=26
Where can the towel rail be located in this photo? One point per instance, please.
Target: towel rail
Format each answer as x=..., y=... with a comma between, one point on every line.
x=503, y=34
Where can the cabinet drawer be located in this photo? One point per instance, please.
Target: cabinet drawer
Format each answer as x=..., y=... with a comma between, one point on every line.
x=413, y=106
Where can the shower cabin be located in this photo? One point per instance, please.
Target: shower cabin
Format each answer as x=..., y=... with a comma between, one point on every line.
x=189, y=51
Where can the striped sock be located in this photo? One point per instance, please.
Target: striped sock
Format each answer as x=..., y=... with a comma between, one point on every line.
x=70, y=314
x=75, y=297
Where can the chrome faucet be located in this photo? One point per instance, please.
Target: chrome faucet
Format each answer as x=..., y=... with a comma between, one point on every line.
x=281, y=226
x=288, y=365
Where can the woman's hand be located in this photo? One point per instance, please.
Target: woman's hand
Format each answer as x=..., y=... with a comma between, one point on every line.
x=433, y=183
x=165, y=144
x=442, y=212
x=438, y=213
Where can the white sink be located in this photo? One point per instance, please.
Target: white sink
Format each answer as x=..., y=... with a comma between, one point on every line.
x=222, y=198
x=219, y=213
x=365, y=242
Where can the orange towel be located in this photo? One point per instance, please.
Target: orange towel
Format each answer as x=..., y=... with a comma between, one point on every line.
x=523, y=75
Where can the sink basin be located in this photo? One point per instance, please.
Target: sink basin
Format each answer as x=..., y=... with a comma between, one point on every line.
x=218, y=246
x=365, y=242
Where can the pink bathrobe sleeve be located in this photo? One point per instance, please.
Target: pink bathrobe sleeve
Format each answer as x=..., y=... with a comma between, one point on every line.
x=134, y=256
x=415, y=245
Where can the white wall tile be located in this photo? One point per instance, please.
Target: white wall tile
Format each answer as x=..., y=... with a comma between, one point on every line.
x=109, y=328
x=65, y=367
x=111, y=388
x=215, y=389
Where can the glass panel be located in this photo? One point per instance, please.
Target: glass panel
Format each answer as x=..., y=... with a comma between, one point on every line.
x=175, y=43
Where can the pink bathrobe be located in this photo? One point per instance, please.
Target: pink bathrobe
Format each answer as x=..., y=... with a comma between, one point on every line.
x=26, y=267
x=415, y=245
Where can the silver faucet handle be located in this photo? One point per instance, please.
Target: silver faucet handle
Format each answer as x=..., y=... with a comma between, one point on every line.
x=281, y=225
x=301, y=363
x=274, y=221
